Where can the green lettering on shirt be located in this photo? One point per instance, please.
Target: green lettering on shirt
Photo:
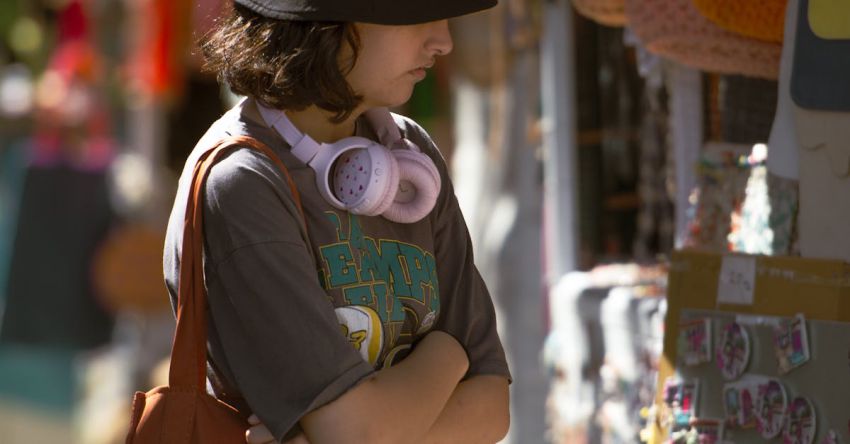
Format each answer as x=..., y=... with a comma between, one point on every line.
x=416, y=270
x=360, y=295
x=340, y=264
x=389, y=308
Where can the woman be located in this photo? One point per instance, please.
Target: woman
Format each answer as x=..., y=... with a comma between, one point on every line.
x=349, y=324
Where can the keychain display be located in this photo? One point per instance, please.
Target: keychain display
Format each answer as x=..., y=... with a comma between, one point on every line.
x=791, y=343
x=770, y=408
x=800, y=424
x=695, y=341
x=733, y=351
x=709, y=431
x=682, y=398
x=732, y=403
x=739, y=401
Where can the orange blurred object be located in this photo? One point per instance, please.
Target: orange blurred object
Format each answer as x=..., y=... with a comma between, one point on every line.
x=758, y=19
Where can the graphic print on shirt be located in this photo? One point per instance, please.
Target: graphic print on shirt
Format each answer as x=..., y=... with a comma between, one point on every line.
x=393, y=280
x=362, y=327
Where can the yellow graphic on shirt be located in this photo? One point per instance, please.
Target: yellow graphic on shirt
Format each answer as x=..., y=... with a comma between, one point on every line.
x=362, y=327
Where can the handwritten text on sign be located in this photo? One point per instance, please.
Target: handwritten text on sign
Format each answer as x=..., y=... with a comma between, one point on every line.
x=737, y=280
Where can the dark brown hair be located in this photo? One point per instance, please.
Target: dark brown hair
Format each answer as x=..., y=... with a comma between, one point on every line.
x=284, y=64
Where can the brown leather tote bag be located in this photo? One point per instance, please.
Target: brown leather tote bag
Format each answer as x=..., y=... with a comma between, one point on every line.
x=183, y=412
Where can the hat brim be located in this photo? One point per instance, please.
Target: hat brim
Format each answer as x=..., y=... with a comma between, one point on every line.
x=382, y=12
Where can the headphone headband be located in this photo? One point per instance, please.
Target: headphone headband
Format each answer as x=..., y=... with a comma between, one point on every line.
x=305, y=148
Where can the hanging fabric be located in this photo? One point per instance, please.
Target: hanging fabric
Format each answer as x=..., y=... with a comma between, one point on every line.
x=50, y=301
x=604, y=12
x=758, y=19
x=163, y=35
x=676, y=30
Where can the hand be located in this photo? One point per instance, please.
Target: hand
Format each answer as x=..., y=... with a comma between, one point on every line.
x=259, y=434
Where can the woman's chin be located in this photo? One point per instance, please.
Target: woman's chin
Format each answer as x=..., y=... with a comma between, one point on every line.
x=392, y=99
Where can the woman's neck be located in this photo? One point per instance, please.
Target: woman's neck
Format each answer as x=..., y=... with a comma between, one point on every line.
x=316, y=123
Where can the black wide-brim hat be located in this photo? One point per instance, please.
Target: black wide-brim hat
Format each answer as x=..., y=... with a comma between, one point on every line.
x=383, y=12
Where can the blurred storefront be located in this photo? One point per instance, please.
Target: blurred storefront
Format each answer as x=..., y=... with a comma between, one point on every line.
x=702, y=235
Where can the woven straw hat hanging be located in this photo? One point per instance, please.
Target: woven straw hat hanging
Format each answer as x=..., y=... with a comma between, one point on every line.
x=605, y=12
x=759, y=19
x=675, y=29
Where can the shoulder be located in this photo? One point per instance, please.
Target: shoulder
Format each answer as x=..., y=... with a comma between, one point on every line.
x=241, y=168
x=416, y=134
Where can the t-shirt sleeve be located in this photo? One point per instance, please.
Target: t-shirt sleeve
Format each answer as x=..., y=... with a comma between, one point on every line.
x=466, y=309
x=280, y=341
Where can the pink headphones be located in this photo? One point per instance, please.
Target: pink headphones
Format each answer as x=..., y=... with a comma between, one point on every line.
x=394, y=180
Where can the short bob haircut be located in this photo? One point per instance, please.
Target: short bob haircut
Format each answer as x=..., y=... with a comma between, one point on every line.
x=284, y=64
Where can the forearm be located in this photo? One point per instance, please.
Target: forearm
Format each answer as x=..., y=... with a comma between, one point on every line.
x=477, y=412
x=398, y=404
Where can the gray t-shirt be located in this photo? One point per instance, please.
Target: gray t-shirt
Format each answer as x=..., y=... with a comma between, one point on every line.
x=296, y=317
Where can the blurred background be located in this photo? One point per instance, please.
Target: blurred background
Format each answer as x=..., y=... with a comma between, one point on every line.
x=578, y=156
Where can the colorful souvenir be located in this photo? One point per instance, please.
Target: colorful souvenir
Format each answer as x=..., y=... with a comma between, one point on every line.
x=733, y=351
x=695, y=341
x=732, y=403
x=681, y=398
x=747, y=414
x=739, y=399
x=770, y=408
x=800, y=424
x=791, y=343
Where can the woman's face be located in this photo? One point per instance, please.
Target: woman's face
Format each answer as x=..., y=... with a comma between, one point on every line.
x=393, y=58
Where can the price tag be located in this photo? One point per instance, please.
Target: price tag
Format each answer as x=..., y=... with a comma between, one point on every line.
x=737, y=280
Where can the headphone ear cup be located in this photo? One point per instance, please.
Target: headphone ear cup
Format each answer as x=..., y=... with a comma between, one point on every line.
x=418, y=171
x=381, y=185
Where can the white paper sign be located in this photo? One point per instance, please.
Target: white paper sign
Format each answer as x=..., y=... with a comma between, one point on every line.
x=737, y=280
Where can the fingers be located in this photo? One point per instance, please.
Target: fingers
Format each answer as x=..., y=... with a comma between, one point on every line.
x=253, y=420
x=300, y=439
x=258, y=434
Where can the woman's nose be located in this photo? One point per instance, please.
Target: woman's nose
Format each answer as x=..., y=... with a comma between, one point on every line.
x=440, y=38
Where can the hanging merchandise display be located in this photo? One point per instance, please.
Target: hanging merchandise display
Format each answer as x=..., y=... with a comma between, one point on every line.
x=716, y=201
x=675, y=29
x=784, y=159
x=758, y=19
x=162, y=32
x=605, y=339
x=767, y=220
x=605, y=12
x=821, y=95
x=791, y=382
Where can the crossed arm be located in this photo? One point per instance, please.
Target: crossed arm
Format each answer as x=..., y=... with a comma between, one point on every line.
x=421, y=399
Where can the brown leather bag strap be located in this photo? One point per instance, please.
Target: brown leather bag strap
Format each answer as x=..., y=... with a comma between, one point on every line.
x=189, y=349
